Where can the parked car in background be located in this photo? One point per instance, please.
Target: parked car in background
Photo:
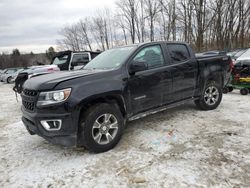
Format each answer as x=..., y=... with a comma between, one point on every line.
x=8, y=71
x=10, y=75
x=2, y=73
x=90, y=107
x=62, y=61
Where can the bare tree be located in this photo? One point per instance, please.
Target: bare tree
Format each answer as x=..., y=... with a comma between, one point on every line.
x=152, y=8
x=128, y=10
x=83, y=27
x=205, y=24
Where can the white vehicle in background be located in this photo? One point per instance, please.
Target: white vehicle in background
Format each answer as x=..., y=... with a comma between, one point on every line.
x=1, y=73
x=8, y=75
x=62, y=61
x=245, y=57
x=41, y=69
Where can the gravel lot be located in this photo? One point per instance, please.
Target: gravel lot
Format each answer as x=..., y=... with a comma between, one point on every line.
x=180, y=147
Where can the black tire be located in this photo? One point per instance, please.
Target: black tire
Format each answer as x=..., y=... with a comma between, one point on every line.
x=230, y=88
x=201, y=102
x=8, y=80
x=225, y=90
x=86, y=127
x=244, y=91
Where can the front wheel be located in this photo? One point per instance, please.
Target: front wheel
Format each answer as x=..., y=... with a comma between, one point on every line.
x=8, y=80
x=210, y=98
x=101, y=127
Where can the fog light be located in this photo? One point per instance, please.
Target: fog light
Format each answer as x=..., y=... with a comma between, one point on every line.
x=52, y=125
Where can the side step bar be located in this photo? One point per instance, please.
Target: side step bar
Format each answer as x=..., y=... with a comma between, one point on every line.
x=159, y=109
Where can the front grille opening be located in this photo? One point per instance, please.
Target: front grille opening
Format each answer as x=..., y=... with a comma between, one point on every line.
x=29, y=105
x=30, y=92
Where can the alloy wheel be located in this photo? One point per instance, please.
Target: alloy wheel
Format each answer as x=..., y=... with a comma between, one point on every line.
x=105, y=129
x=211, y=95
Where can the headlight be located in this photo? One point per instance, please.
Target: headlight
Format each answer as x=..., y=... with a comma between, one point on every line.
x=53, y=97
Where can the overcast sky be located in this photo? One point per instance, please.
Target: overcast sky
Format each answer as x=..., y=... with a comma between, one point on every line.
x=34, y=25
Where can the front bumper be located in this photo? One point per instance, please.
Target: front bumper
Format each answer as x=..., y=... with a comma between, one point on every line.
x=65, y=136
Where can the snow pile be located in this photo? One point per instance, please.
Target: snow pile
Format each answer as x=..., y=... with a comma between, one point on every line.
x=178, y=147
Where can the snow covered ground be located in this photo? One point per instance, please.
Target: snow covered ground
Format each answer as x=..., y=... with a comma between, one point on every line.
x=180, y=147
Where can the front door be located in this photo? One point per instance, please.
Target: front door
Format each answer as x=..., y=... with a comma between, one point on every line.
x=147, y=87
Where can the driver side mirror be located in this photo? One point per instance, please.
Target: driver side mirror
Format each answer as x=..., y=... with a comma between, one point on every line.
x=138, y=65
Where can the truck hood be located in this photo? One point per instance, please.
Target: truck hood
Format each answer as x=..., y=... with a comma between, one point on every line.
x=49, y=81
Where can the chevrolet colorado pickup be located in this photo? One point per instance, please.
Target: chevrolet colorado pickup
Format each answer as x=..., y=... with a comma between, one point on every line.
x=90, y=107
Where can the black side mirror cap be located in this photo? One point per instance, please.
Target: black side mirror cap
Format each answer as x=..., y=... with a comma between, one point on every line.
x=137, y=66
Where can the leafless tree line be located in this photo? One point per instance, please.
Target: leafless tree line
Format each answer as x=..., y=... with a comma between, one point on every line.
x=16, y=59
x=205, y=24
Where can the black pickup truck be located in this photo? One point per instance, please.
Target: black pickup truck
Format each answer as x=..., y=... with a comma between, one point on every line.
x=90, y=107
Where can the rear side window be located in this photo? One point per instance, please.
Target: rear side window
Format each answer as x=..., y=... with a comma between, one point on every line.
x=178, y=52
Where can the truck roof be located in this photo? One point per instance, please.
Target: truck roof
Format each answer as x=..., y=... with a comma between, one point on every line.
x=153, y=42
x=70, y=51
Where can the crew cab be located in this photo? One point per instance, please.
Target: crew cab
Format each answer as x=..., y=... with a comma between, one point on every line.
x=91, y=107
x=62, y=61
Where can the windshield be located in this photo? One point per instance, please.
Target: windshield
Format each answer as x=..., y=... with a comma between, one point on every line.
x=238, y=54
x=111, y=58
x=246, y=54
x=60, y=60
x=10, y=71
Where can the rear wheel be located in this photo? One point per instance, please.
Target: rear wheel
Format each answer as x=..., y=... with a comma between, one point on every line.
x=211, y=97
x=101, y=127
x=244, y=91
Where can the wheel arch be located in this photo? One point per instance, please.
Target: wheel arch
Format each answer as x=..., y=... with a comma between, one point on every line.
x=114, y=98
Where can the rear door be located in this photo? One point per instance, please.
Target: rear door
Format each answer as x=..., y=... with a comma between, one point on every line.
x=184, y=70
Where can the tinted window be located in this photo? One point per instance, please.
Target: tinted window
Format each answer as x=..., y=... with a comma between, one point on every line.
x=178, y=52
x=80, y=59
x=152, y=55
x=60, y=60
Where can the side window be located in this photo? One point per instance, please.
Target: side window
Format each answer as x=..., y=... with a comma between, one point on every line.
x=178, y=52
x=152, y=55
x=80, y=59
